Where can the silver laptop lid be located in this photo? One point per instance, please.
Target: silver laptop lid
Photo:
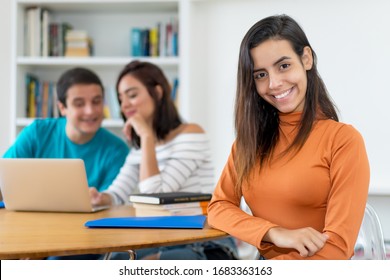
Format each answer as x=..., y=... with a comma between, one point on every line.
x=55, y=185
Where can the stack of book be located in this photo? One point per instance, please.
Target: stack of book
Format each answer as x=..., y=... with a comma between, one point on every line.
x=78, y=43
x=170, y=204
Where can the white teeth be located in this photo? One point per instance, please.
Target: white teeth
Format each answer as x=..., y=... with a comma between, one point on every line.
x=283, y=94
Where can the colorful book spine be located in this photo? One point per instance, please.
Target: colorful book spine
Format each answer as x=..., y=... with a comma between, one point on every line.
x=40, y=98
x=160, y=40
x=136, y=42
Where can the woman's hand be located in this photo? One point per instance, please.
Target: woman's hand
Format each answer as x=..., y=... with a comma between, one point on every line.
x=99, y=199
x=307, y=241
x=140, y=126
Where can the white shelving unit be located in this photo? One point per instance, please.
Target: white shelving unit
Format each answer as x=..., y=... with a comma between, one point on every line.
x=109, y=24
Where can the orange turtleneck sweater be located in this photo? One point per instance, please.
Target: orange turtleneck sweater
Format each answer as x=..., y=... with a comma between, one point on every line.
x=323, y=186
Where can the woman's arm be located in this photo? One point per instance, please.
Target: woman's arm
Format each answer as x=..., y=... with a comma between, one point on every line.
x=307, y=241
x=349, y=173
x=224, y=210
x=148, y=165
x=182, y=158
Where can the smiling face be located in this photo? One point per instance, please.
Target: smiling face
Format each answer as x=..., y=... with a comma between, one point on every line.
x=280, y=74
x=83, y=111
x=135, y=98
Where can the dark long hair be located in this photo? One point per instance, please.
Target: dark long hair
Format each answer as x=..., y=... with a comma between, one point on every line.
x=165, y=116
x=256, y=121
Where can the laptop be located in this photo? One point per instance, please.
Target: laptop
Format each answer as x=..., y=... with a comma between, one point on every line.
x=48, y=185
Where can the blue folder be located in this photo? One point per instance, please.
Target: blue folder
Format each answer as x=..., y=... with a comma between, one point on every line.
x=2, y=204
x=192, y=222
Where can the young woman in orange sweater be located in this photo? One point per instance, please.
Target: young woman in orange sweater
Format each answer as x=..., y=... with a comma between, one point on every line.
x=303, y=174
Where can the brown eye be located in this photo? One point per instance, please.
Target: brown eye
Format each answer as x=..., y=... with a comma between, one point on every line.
x=78, y=104
x=260, y=75
x=284, y=66
x=97, y=101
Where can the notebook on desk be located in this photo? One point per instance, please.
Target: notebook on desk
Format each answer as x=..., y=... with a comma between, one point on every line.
x=184, y=222
x=49, y=185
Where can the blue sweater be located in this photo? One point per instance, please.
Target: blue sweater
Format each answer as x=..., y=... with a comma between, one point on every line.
x=103, y=155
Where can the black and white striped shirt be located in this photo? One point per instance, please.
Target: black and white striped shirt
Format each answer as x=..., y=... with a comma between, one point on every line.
x=185, y=165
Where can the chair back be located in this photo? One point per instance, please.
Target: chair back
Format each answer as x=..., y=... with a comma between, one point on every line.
x=370, y=244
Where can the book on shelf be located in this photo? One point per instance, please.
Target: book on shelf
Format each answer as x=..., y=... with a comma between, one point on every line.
x=45, y=32
x=77, y=52
x=30, y=83
x=136, y=42
x=172, y=38
x=33, y=31
x=57, y=33
x=43, y=37
x=170, y=197
x=76, y=35
x=160, y=40
x=153, y=41
x=41, y=99
x=145, y=37
x=111, y=103
x=44, y=110
x=78, y=43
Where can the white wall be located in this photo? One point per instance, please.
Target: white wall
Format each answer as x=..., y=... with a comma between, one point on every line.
x=5, y=73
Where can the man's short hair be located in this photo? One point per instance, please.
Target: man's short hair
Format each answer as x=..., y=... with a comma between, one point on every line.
x=73, y=77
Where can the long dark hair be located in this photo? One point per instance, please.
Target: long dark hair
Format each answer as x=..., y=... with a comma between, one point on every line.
x=256, y=121
x=166, y=116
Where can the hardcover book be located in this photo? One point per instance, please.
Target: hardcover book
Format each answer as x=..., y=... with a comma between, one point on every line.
x=169, y=206
x=143, y=212
x=170, y=197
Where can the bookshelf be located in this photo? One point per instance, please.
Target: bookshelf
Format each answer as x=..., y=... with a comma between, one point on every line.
x=109, y=25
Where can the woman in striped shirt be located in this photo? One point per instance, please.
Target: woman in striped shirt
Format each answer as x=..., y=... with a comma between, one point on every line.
x=167, y=156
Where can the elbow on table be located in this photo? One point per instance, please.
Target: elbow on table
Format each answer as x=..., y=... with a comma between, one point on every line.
x=212, y=220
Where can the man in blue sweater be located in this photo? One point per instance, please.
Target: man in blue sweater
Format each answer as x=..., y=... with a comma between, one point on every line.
x=78, y=133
